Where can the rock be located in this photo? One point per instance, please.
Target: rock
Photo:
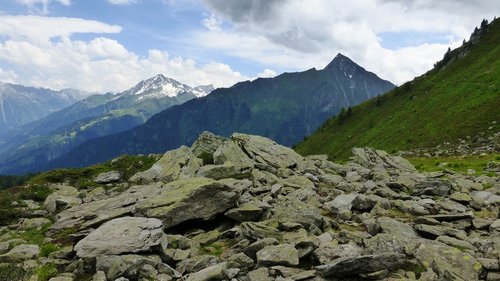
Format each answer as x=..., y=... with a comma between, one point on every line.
x=126, y=266
x=266, y=152
x=392, y=226
x=289, y=209
x=183, y=200
x=485, y=198
x=215, y=272
x=352, y=266
x=298, y=182
x=99, y=276
x=260, y=274
x=457, y=243
x=241, y=261
x=206, y=145
x=224, y=171
x=432, y=187
x=229, y=151
x=495, y=227
x=34, y=223
x=195, y=264
x=461, y=197
x=98, y=193
x=65, y=197
x=445, y=260
x=20, y=253
x=341, y=203
x=252, y=249
x=108, y=177
x=258, y=230
x=489, y=264
x=370, y=158
x=438, y=230
x=122, y=235
x=61, y=278
x=327, y=252
x=245, y=212
x=175, y=164
x=387, y=243
x=284, y=254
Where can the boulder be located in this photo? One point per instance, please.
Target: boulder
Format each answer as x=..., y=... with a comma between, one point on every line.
x=284, y=254
x=122, y=235
x=125, y=266
x=224, y=171
x=64, y=197
x=353, y=266
x=267, y=153
x=175, y=164
x=205, y=146
x=214, y=272
x=290, y=209
x=20, y=253
x=245, y=212
x=342, y=202
x=34, y=223
x=187, y=199
x=370, y=158
x=258, y=230
x=108, y=177
x=229, y=151
x=395, y=227
x=326, y=252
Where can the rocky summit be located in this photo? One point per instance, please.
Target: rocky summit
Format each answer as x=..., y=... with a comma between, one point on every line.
x=247, y=209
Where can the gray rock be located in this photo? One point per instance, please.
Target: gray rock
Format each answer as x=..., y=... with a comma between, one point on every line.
x=34, y=223
x=99, y=276
x=327, y=252
x=257, y=230
x=20, y=253
x=268, y=153
x=126, y=266
x=370, y=158
x=182, y=200
x=252, y=249
x=108, y=177
x=206, y=145
x=342, y=202
x=284, y=254
x=387, y=243
x=298, y=182
x=495, y=227
x=245, y=212
x=65, y=197
x=196, y=263
x=457, y=243
x=122, y=235
x=176, y=164
x=289, y=209
x=224, y=171
x=344, y=267
x=392, y=226
x=432, y=187
x=241, y=261
x=260, y=274
x=215, y=272
x=229, y=151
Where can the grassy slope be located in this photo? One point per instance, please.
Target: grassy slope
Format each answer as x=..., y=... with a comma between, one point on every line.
x=459, y=100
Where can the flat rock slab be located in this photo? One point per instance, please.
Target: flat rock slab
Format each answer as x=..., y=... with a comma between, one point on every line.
x=122, y=235
x=344, y=267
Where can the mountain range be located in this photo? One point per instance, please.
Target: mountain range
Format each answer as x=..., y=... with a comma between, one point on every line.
x=458, y=99
x=20, y=105
x=39, y=142
x=285, y=108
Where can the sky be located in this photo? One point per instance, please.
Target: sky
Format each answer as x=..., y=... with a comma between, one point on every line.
x=110, y=45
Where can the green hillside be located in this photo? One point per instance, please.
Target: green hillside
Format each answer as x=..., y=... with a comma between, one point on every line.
x=460, y=97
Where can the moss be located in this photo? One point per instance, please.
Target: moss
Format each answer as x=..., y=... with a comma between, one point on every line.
x=216, y=248
x=47, y=248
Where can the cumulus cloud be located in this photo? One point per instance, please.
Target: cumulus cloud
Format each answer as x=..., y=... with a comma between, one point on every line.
x=40, y=52
x=302, y=34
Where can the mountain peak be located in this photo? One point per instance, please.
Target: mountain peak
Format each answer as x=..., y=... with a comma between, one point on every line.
x=340, y=61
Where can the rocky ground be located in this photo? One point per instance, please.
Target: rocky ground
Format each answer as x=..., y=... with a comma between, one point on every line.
x=248, y=209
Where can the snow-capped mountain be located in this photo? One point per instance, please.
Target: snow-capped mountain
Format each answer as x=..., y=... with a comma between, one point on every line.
x=160, y=86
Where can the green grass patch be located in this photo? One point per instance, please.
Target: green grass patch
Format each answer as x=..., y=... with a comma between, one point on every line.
x=454, y=163
x=12, y=272
x=445, y=104
x=216, y=248
x=45, y=272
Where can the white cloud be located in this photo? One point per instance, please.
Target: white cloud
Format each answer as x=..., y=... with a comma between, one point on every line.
x=300, y=34
x=47, y=56
x=122, y=2
x=267, y=73
x=42, y=6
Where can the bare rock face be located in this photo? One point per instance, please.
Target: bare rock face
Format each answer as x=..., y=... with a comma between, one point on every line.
x=122, y=235
x=370, y=158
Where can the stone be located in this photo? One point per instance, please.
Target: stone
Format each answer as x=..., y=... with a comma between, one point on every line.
x=252, y=249
x=340, y=203
x=395, y=227
x=99, y=276
x=438, y=230
x=108, y=177
x=298, y=182
x=205, y=146
x=352, y=266
x=187, y=199
x=122, y=235
x=229, y=151
x=327, y=252
x=495, y=227
x=485, y=198
x=370, y=158
x=126, y=266
x=61, y=278
x=241, y=261
x=258, y=230
x=267, y=153
x=489, y=264
x=20, y=253
x=387, y=243
x=445, y=260
x=175, y=164
x=260, y=274
x=196, y=263
x=34, y=223
x=432, y=187
x=292, y=210
x=224, y=171
x=63, y=198
x=457, y=243
x=245, y=212
x=284, y=254
x=214, y=272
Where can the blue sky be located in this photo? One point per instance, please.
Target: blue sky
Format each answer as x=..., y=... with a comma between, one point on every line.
x=109, y=45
